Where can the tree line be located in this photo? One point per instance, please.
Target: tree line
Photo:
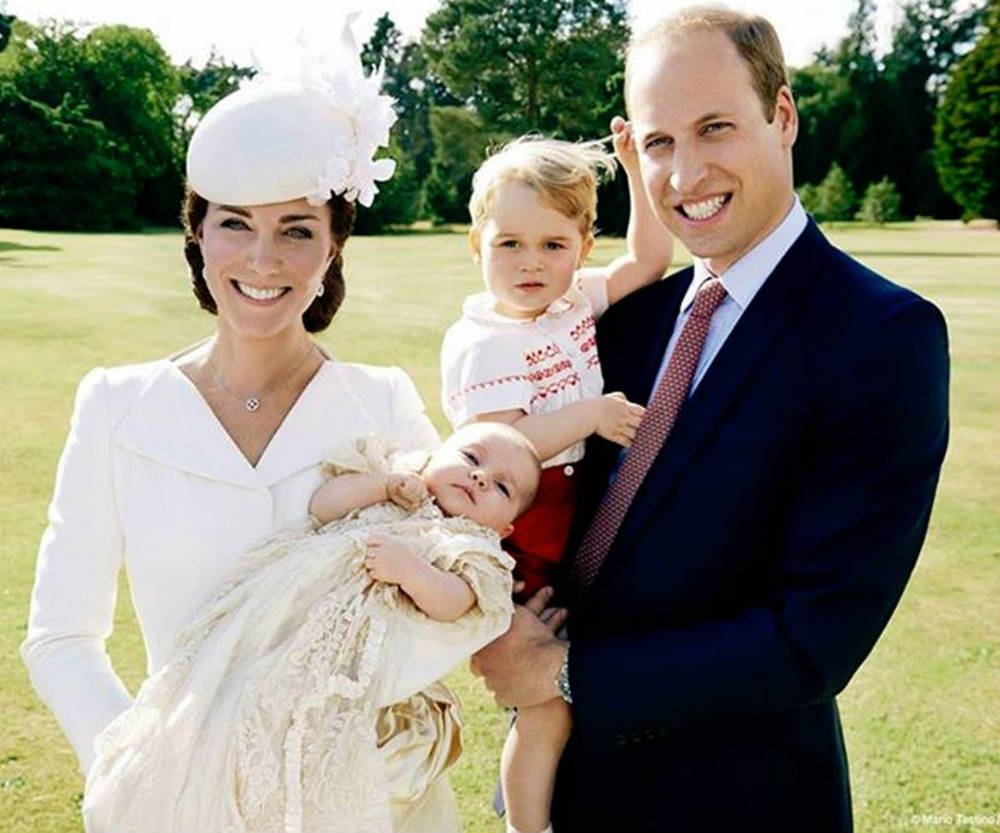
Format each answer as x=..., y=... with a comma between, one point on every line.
x=94, y=123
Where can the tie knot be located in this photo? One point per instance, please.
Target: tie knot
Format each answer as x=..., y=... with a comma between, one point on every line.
x=710, y=294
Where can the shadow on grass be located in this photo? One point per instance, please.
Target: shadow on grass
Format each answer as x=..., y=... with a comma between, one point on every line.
x=153, y=231
x=6, y=246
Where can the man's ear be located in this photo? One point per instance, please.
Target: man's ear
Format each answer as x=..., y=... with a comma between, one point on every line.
x=786, y=116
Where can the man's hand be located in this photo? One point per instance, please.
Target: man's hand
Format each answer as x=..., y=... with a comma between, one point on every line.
x=520, y=667
x=389, y=560
x=406, y=490
x=618, y=419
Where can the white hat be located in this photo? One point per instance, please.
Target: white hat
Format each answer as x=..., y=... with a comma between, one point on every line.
x=304, y=133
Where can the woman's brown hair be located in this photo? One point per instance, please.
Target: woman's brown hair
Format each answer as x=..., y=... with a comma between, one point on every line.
x=321, y=311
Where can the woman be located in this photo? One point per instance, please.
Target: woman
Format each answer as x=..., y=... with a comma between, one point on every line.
x=175, y=467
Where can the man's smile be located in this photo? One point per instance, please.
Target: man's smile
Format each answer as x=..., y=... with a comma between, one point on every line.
x=703, y=209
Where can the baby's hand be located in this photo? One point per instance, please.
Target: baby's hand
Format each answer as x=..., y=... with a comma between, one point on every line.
x=388, y=560
x=618, y=418
x=624, y=145
x=406, y=490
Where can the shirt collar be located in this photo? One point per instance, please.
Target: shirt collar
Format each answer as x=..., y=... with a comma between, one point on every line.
x=482, y=307
x=746, y=276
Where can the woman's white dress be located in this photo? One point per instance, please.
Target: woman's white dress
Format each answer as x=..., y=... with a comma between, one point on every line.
x=267, y=715
x=150, y=481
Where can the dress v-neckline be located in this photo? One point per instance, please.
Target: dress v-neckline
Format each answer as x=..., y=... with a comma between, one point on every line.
x=267, y=452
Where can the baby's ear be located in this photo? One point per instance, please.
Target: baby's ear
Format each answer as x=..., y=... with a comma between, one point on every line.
x=588, y=244
x=506, y=531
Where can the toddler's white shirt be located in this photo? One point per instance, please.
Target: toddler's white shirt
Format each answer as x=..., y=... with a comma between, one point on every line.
x=491, y=362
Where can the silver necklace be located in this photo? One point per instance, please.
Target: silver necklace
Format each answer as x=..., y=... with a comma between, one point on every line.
x=252, y=403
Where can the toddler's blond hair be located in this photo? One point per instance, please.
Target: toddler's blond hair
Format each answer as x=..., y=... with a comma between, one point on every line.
x=563, y=174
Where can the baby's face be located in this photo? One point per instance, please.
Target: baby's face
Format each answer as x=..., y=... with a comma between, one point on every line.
x=481, y=474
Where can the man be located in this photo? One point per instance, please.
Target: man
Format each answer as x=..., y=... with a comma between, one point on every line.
x=755, y=539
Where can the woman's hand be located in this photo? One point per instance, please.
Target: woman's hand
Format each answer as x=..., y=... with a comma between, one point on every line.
x=406, y=490
x=618, y=419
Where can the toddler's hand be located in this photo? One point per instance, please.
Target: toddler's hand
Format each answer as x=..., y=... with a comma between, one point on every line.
x=618, y=418
x=388, y=560
x=624, y=144
x=406, y=490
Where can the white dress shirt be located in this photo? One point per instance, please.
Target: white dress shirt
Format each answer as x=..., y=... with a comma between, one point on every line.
x=742, y=282
x=150, y=479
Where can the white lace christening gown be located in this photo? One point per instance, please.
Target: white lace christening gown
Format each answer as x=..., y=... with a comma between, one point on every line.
x=305, y=696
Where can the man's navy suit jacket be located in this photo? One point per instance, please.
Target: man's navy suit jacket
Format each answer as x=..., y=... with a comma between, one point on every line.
x=762, y=556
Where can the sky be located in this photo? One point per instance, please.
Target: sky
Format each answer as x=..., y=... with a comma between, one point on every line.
x=189, y=29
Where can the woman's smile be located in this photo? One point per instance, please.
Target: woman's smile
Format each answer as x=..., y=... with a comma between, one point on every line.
x=260, y=295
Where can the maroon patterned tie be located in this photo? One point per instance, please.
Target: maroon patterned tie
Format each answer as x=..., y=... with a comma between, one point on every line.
x=660, y=416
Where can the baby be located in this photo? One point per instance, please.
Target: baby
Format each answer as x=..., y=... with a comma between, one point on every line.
x=306, y=694
x=489, y=476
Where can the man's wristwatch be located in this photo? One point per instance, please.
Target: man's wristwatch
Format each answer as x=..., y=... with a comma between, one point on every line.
x=562, y=679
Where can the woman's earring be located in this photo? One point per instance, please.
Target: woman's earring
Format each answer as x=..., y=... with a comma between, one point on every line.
x=320, y=291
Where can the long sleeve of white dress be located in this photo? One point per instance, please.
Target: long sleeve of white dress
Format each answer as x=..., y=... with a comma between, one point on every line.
x=76, y=583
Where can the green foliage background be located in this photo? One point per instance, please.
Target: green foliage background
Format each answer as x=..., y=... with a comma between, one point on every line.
x=921, y=717
x=968, y=126
x=88, y=130
x=96, y=122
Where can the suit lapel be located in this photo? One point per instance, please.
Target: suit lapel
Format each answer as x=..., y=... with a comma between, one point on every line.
x=768, y=316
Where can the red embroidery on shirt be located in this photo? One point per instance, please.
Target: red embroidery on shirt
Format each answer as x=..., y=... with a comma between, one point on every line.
x=549, y=351
x=550, y=371
x=581, y=328
x=556, y=387
x=489, y=383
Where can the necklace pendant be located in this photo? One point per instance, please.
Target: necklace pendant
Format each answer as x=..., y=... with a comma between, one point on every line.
x=252, y=404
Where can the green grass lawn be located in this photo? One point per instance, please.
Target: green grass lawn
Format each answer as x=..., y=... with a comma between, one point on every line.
x=922, y=717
